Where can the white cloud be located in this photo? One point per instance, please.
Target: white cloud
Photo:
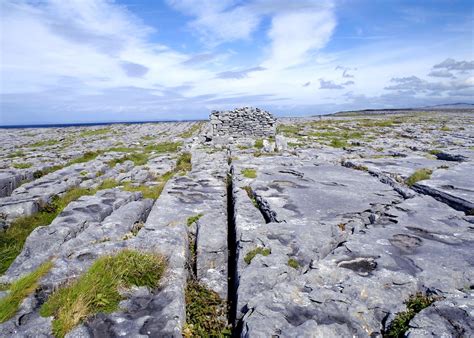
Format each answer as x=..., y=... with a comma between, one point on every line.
x=294, y=35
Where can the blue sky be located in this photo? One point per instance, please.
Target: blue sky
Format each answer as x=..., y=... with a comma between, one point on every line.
x=134, y=60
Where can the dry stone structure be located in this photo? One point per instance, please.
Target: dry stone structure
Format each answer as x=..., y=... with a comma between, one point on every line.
x=245, y=121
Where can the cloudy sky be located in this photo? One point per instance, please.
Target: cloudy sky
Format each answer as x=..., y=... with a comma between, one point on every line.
x=131, y=60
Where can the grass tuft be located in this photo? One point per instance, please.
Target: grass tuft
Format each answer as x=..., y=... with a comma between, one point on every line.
x=418, y=175
x=97, y=290
x=414, y=304
x=338, y=143
x=183, y=163
x=19, y=290
x=249, y=173
x=258, y=143
x=293, y=263
x=257, y=251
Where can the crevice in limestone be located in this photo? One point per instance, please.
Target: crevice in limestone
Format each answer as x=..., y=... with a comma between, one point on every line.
x=268, y=214
x=232, y=283
x=453, y=201
x=383, y=178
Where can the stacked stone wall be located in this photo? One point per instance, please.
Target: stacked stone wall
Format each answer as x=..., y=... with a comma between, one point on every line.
x=245, y=121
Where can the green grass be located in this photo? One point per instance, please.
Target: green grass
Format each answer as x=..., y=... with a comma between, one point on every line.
x=376, y=123
x=258, y=143
x=414, y=304
x=288, y=130
x=23, y=165
x=46, y=171
x=18, y=153
x=257, y=251
x=136, y=158
x=205, y=312
x=418, y=175
x=13, y=238
x=293, y=263
x=108, y=183
x=148, y=138
x=445, y=128
x=164, y=147
x=148, y=191
x=434, y=151
x=94, y=132
x=193, y=219
x=249, y=173
x=88, y=156
x=43, y=143
x=191, y=131
x=97, y=290
x=121, y=149
x=183, y=163
x=338, y=143
x=19, y=290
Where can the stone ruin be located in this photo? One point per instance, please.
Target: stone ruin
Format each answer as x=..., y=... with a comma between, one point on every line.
x=247, y=121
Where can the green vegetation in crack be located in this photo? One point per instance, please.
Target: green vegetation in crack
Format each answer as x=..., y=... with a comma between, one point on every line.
x=418, y=175
x=24, y=165
x=193, y=219
x=98, y=289
x=400, y=323
x=257, y=251
x=205, y=312
x=19, y=290
x=250, y=194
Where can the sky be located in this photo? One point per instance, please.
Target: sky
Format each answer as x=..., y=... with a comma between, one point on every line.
x=76, y=61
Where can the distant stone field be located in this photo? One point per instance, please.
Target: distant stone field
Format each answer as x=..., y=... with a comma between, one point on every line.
x=333, y=226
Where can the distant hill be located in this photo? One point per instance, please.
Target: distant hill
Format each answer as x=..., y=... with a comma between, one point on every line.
x=450, y=107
